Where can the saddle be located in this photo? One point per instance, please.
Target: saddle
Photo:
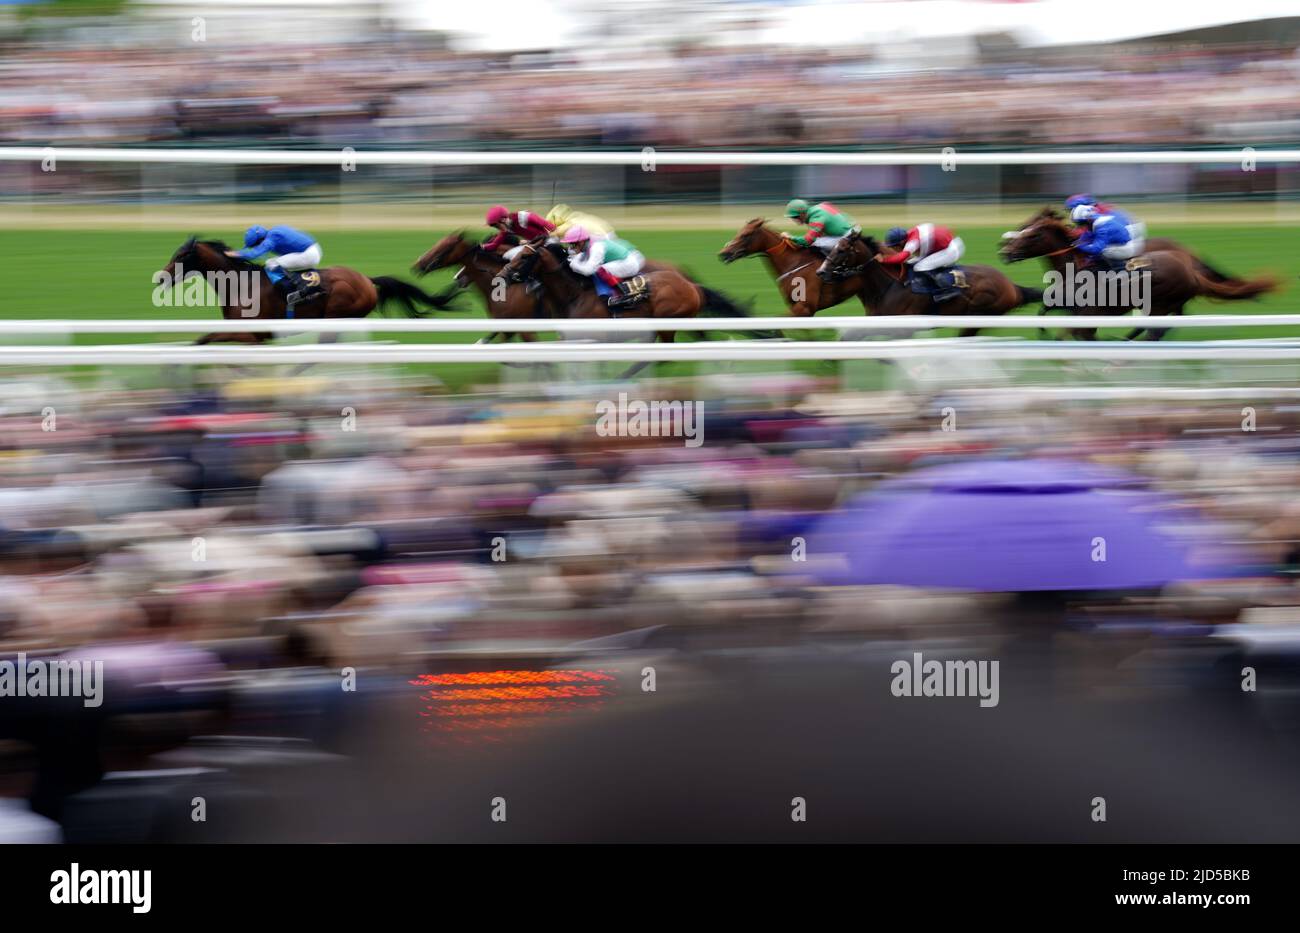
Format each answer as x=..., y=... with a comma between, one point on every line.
x=941, y=284
x=1136, y=264
x=630, y=292
x=303, y=286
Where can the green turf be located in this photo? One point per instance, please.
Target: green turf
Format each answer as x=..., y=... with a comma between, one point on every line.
x=106, y=274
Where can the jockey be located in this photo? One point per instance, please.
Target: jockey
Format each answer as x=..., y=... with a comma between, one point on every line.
x=826, y=224
x=565, y=217
x=1137, y=230
x=1105, y=238
x=520, y=225
x=928, y=250
x=294, y=251
x=608, y=260
x=895, y=237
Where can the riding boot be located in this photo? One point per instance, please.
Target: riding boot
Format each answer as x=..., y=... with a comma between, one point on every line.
x=310, y=285
x=943, y=289
x=629, y=292
x=922, y=283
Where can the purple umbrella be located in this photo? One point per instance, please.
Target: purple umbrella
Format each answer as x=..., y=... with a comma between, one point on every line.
x=1009, y=526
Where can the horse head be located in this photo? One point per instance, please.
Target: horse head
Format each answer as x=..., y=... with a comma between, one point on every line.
x=524, y=266
x=449, y=251
x=846, y=258
x=752, y=238
x=1044, y=234
x=187, y=259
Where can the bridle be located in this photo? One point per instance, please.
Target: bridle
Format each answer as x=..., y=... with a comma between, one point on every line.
x=1049, y=255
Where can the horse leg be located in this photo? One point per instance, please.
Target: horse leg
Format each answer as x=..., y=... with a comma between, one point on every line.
x=663, y=336
x=1158, y=333
x=545, y=369
x=233, y=338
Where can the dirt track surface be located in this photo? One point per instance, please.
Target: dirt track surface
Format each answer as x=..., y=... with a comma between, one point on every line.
x=413, y=216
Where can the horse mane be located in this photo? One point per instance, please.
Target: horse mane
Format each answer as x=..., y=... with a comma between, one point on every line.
x=581, y=282
x=221, y=247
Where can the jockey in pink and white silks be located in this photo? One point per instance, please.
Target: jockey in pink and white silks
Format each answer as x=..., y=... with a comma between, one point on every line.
x=609, y=261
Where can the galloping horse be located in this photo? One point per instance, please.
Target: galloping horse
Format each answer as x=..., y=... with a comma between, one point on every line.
x=668, y=293
x=804, y=294
x=484, y=270
x=1175, y=276
x=1153, y=245
x=988, y=291
x=348, y=292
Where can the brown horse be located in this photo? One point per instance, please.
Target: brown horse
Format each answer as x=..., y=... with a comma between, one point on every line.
x=1173, y=277
x=1153, y=245
x=348, y=293
x=987, y=290
x=667, y=294
x=484, y=270
x=793, y=267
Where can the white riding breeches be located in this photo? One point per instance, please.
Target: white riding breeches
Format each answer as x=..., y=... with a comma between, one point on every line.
x=826, y=243
x=628, y=266
x=512, y=252
x=948, y=256
x=1124, y=251
x=298, y=262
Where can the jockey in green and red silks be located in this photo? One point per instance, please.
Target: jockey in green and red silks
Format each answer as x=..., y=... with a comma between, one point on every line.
x=826, y=224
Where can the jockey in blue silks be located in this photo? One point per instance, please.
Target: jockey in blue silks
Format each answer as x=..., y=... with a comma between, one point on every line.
x=1105, y=238
x=1137, y=230
x=294, y=251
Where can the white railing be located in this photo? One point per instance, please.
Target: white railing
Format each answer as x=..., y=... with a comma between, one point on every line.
x=648, y=158
x=378, y=325
x=597, y=331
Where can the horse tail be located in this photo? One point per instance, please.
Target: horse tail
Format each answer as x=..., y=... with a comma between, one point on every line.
x=1029, y=296
x=409, y=296
x=1211, y=273
x=716, y=304
x=1236, y=289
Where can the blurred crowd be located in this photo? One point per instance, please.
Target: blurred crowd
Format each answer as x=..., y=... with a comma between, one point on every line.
x=499, y=551
x=366, y=506
x=395, y=91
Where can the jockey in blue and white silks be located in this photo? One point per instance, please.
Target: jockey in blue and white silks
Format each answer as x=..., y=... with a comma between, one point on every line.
x=1137, y=230
x=1105, y=236
x=294, y=250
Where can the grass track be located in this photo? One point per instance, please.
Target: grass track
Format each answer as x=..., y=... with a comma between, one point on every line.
x=106, y=273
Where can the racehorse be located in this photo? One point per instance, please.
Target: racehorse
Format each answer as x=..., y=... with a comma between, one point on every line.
x=1175, y=276
x=987, y=290
x=668, y=293
x=348, y=293
x=793, y=266
x=1153, y=245
x=483, y=269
